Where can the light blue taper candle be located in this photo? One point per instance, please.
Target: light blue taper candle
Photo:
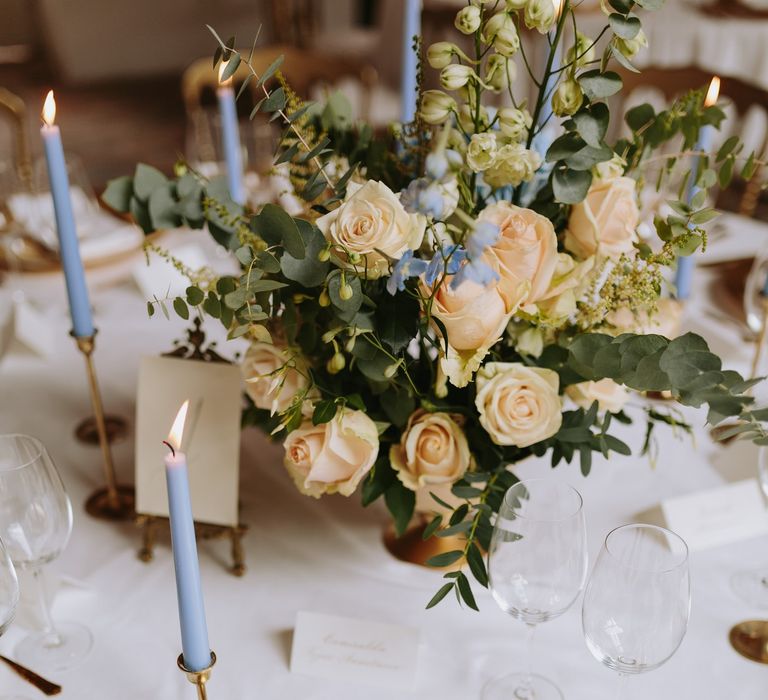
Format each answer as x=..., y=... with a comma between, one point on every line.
x=69, y=249
x=411, y=27
x=230, y=142
x=687, y=264
x=194, y=630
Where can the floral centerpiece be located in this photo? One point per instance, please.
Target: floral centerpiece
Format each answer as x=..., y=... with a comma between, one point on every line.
x=469, y=289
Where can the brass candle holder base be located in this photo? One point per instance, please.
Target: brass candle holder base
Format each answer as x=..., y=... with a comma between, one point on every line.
x=198, y=678
x=750, y=639
x=87, y=430
x=107, y=505
x=411, y=547
x=113, y=502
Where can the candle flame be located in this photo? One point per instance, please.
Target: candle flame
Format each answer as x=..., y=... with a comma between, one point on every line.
x=49, y=109
x=177, y=429
x=558, y=8
x=222, y=68
x=713, y=92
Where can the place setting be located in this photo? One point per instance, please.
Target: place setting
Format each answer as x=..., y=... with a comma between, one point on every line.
x=470, y=405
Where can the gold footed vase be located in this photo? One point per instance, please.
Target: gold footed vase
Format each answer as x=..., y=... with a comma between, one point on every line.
x=411, y=547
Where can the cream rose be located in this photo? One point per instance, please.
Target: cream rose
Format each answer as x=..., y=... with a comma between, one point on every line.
x=609, y=395
x=332, y=457
x=526, y=251
x=373, y=223
x=604, y=223
x=518, y=405
x=568, y=285
x=432, y=450
x=273, y=376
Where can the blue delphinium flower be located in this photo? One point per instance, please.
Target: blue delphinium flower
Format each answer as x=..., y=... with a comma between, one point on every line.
x=436, y=165
x=475, y=271
x=405, y=268
x=483, y=235
x=448, y=260
x=423, y=197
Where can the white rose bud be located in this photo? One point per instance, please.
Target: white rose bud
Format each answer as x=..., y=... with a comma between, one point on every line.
x=513, y=5
x=513, y=164
x=500, y=71
x=481, y=151
x=455, y=76
x=530, y=342
x=436, y=106
x=567, y=98
x=468, y=19
x=514, y=123
x=629, y=47
x=609, y=169
x=582, y=52
x=501, y=32
x=540, y=15
x=441, y=54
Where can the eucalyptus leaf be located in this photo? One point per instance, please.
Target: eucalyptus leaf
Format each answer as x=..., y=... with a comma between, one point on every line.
x=598, y=85
x=571, y=186
x=118, y=193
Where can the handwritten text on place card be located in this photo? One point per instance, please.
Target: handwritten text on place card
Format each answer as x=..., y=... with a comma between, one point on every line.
x=340, y=648
x=718, y=516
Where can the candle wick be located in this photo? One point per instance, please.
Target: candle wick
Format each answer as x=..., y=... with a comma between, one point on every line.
x=170, y=447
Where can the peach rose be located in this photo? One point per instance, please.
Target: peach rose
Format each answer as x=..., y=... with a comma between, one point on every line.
x=273, y=376
x=526, y=252
x=665, y=321
x=604, y=223
x=609, y=395
x=432, y=450
x=372, y=223
x=332, y=457
x=518, y=405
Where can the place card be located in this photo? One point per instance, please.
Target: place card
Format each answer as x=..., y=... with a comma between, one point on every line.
x=161, y=279
x=360, y=651
x=211, y=438
x=718, y=516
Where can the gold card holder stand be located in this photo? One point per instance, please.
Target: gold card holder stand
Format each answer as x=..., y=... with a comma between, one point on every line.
x=150, y=525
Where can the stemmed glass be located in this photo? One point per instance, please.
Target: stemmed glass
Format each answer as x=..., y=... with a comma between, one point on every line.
x=752, y=585
x=9, y=598
x=35, y=524
x=537, y=566
x=638, y=600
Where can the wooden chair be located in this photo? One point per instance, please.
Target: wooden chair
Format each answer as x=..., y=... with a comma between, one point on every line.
x=743, y=96
x=12, y=107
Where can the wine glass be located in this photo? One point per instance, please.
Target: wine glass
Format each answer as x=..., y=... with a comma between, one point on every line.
x=35, y=524
x=638, y=599
x=752, y=585
x=537, y=566
x=9, y=598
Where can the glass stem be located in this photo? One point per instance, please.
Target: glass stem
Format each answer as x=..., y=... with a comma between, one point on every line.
x=51, y=635
x=529, y=658
x=621, y=687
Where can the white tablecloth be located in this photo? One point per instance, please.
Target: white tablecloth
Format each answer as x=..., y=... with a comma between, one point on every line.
x=327, y=556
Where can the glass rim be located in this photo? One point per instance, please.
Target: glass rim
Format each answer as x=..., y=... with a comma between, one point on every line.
x=655, y=528
x=33, y=440
x=550, y=480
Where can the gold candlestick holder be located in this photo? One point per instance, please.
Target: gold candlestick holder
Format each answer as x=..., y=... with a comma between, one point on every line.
x=114, y=501
x=198, y=678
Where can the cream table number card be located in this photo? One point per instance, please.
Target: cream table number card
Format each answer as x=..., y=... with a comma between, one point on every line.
x=211, y=441
x=359, y=651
